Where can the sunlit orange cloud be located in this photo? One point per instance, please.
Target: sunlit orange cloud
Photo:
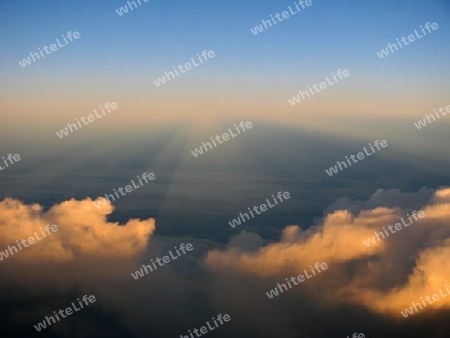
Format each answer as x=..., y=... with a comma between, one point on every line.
x=86, y=255
x=339, y=239
x=83, y=232
x=378, y=277
x=381, y=280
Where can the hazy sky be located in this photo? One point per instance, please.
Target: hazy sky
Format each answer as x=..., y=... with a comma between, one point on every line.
x=118, y=57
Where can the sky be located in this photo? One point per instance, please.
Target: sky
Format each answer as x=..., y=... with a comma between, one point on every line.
x=118, y=57
x=195, y=199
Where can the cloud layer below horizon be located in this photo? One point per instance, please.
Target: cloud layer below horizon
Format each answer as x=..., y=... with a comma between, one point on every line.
x=94, y=256
x=385, y=277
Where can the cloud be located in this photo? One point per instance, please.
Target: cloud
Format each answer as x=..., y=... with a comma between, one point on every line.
x=82, y=231
x=385, y=277
x=89, y=255
x=246, y=241
x=339, y=239
x=392, y=198
x=83, y=249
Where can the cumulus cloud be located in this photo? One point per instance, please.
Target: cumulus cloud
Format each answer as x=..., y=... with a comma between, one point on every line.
x=83, y=249
x=393, y=198
x=90, y=255
x=339, y=239
x=246, y=241
x=82, y=231
x=385, y=277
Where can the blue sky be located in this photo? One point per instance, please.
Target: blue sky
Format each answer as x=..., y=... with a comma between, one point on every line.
x=167, y=32
x=124, y=54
